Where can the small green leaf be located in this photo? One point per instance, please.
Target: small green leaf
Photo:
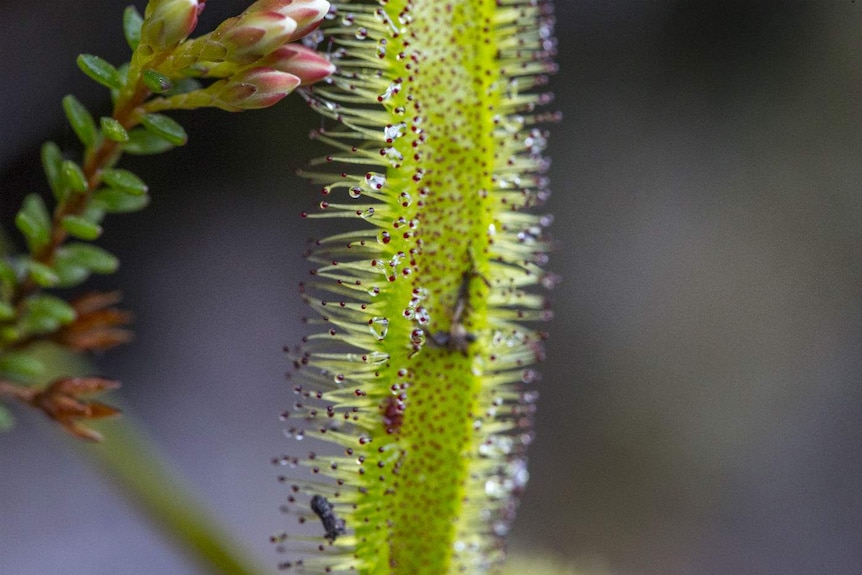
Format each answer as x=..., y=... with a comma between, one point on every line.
x=132, y=22
x=184, y=85
x=20, y=366
x=42, y=274
x=119, y=202
x=34, y=222
x=156, y=82
x=69, y=272
x=143, y=142
x=50, y=307
x=8, y=277
x=6, y=311
x=9, y=334
x=100, y=71
x=165, y=127
x=123, y=71
x=81, y=120
x=52, y=163
x=81, y=228
x=91, y=257
x=7, y=420
x=124, y=180
x=74, y=177
x=94, y=213
x=113, y=130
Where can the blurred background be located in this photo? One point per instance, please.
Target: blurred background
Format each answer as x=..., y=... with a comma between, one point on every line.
x=701, y=400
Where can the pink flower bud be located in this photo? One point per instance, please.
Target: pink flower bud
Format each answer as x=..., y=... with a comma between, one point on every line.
x=306, y=13
x=253, y=89
x=254, y=35
x=300, y=61
x=169, y=22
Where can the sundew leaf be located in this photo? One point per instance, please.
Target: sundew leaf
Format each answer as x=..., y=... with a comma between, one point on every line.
x=422, y=373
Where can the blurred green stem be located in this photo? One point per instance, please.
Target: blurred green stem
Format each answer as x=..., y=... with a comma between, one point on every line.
x=132, y=462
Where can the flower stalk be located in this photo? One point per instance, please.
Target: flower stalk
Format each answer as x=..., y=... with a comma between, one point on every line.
x=422, y=373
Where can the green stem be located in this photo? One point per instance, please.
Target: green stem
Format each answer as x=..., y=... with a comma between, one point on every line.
x=131, y=461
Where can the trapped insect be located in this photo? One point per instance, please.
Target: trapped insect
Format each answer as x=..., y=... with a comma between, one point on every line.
x=323, y=508
x=458, y=338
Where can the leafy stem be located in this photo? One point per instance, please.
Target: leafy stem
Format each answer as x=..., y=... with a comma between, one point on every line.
x=250, y=62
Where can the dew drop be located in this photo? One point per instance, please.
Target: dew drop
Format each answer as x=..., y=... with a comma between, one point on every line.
x=379, y=327
x=390, y=91
x=375, y=181
x=394, y=156
x=394, y=131
x=367, y=213
x=354, y=192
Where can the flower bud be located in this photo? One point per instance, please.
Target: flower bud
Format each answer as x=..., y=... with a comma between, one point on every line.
x=253, y=35
x=253, y=89
x=307, y=64
x=306, y=13
x=169, y=22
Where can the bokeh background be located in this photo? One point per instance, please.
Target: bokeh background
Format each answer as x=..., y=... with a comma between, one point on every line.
x=701, y=401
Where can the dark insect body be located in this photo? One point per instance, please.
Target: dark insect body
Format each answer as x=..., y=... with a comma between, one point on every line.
x=323, y=509
x=458, y=338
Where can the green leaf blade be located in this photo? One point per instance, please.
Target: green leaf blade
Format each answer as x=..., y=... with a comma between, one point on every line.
x=80, y=119
x=100, y=71
x=119, y=202
x=165, y=127
x=142, y=142
x=52, y=164
x=113, y=130
x=21, y=366
x=7, y=312
x=34, y=222
x=91, y=257
x=47, y=311
x=74, y=177
x=7, y=420
x=156, y=82
x=124, y=180
x=81, y=228
x=132, y=21
x=43, y=275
